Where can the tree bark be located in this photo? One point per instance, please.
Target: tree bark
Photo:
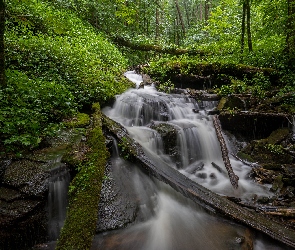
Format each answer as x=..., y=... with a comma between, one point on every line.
x=206, y=10
x=149, y=47
x=232, y=176
x=243, y=28
x=290, y=39
x=249, y=25
x=157, y=24
x=180, y=16
x=2, y=58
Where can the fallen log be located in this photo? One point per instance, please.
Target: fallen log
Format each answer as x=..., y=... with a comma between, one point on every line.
x=156, y=48
x=199, y=194
x=232, y=176
x=217, y=167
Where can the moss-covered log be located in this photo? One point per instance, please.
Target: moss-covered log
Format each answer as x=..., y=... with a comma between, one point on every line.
x=84, y=191
x=197, y=74
x=200, y=194
x=156, y=48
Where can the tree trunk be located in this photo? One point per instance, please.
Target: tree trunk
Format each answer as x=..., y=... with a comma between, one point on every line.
x=207, y=10
x=243, y=28
x=249, y=25
x=201, y=11
x=290, y=40
x=2, y=59
x=157, y=24
x=180, y=17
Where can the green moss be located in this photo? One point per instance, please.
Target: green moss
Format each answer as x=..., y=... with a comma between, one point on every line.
x=81, y=120
x=85, y=188
x=221, y=103
x=278, y=136
x=245, y=156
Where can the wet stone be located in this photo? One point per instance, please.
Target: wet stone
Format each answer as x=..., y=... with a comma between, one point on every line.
x=202, y=175
x=116, y=208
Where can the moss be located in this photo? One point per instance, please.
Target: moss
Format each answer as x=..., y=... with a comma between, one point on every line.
x=85, y=188
x=221, y=103
x=245, y=156
x=278, y=136
x=81, y=120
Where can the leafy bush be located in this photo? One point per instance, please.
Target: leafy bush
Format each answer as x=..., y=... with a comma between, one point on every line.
x=57, y=64
x=29, y=109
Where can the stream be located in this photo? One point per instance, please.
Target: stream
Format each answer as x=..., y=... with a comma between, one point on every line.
x=164, y=219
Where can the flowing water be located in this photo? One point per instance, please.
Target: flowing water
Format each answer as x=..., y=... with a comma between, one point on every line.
x=57, y=202
x=175, y=223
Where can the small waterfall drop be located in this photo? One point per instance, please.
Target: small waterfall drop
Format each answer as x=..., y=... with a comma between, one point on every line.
x=57, y=201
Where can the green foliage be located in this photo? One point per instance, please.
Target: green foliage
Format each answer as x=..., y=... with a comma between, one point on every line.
x=226, y=90
x=166, y=87
x=275, y=149
x=30, y=108
x=56, y=64
x=124, y=146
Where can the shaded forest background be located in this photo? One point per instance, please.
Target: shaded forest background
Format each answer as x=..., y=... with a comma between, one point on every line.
x=62, y=56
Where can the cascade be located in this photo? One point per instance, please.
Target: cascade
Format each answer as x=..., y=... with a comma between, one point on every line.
x=174, y=222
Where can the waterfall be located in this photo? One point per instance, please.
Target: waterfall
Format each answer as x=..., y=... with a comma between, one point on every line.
x=57, y=201
x=139, y=109
x=175, y=222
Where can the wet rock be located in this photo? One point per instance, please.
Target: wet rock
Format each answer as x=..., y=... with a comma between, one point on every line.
x=117, y=207
x=253, y=125
x=202, y=175
x=24, y=190
x=26, y=176
x=168, y=133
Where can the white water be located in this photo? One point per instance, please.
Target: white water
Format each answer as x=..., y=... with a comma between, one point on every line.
x=197, y=141
x=179, y=224
x=57, y=203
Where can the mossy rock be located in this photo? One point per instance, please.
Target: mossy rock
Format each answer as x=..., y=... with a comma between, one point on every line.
x=231, y=102
x=278, y=136
x=81, y=120
x=265, y=153
x=245, y=156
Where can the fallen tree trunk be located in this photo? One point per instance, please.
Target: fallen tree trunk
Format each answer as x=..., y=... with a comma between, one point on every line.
x=156, y=48
x=199, y=194
x=232, y=176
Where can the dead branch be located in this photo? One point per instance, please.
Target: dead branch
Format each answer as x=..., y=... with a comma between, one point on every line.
x=232, y=176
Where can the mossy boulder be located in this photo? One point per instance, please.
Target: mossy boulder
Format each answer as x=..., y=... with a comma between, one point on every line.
x=231, y=102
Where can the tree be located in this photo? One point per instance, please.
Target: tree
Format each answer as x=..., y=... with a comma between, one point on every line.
x=2, y=28
x=291, y=32
x=180, y=16
x=246, y=25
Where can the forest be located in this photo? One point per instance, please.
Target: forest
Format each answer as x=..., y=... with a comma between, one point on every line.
x=61, y=56
x=60, y=60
